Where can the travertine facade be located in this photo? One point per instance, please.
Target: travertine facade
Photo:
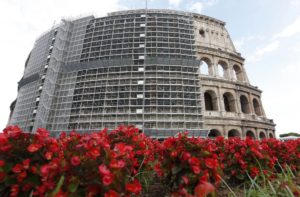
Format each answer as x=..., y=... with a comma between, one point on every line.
x=232, y=105
x=164, y=71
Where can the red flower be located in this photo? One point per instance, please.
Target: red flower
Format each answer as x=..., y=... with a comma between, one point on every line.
x=2, y=176
x=256, y=152
x=12, y=131
x=185, y=179
x=14, y=190
x=174, y=154
x=254, y=172
x=196, y=169
x=3, y=139
x=211, y=163
x=107, y=179
x=203, y=189
x=42, y=132
x=5, y=148
x=134, y=187
x=26, y=163
x=48, y=155
x=2, y=163
x=122, y=148
x=92, y=190
x=186, y=156
x=45, y=169
x=17, y=168
x=117, y=164
x=111, y=193
x=53, y=147
x=158, y=170
x=194, y=161
x=33, y=147
x=103, y=169
x=23, y=175
x=75, y=160
x=204, y=177
x=94, y=152
x=26, y=187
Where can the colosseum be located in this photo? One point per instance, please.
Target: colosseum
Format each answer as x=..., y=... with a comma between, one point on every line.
x=164, y=71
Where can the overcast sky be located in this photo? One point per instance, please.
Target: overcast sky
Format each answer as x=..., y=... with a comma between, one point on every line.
x=266, y=32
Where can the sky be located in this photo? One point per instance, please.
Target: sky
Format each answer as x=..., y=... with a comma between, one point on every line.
x=265, y=32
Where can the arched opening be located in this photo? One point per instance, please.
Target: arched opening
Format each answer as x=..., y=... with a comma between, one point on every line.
x=238, y=73
x=250, y=134
x=233, y=133
x=244, y=104
x=271, y=135
x=214, y=133
x=205, y=66
x=202, y=32
x=256, y=107
x=229, y=103
x=222, y=69
x=262, y=135
x=210, y=98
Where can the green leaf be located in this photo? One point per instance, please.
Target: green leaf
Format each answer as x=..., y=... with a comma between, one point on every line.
x=7, y=167
x=58, y=186
x=10, y=181
x=35, y=180
x=176, y=169
x=240, y=176
x=73, y=186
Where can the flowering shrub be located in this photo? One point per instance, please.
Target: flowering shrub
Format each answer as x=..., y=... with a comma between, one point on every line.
x=122, y=162
x=90, y=164
x=186, y=163
x=240, y=157
x=287, y=153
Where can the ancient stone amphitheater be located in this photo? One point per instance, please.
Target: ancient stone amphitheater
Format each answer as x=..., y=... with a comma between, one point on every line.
x=164, y=71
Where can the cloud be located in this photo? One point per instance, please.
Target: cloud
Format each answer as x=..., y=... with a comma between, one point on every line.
x=244, y=40
x=260, y=52
x=284, y=107
x=295, y=3
x=198, y=6
x=175, y=3
x=290, y=30
x=24, y=21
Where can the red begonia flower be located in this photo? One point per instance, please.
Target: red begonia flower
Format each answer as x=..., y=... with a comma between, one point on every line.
x=75, y=160
x=134, y=187
x=33, y=147
x=203, y=189
x=111, y=193
x=104, y=170
x=107, y=179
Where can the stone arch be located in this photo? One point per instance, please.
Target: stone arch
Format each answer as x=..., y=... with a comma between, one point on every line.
x=211, y=100
x=205, y=66
x=234, y=133
x=237, y=73
x=244, y=104
x=214, y=133
x=256, y=106
x=262, y=135
x=229, y=102
x=250, y=133
x=222, y=67
x=271, y=135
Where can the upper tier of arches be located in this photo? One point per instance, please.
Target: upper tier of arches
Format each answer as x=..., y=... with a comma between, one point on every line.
x=221, y=68
x=232, y=102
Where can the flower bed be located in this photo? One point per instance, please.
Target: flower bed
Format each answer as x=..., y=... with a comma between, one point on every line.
x=127, y=163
